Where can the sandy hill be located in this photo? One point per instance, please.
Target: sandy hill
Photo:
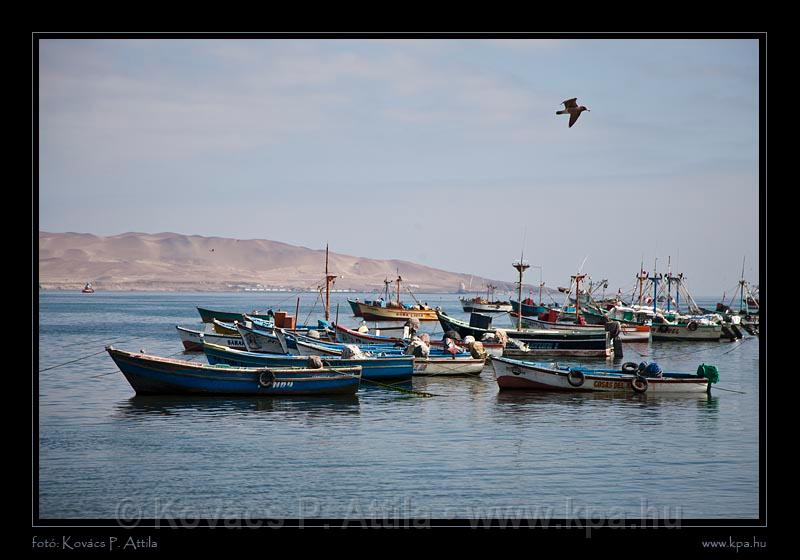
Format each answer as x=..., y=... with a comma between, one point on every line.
x=171, y=261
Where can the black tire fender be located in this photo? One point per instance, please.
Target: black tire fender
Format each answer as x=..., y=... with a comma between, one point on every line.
x=576, y=378
x=630, y=367
x=639, y=384
x=266, y=378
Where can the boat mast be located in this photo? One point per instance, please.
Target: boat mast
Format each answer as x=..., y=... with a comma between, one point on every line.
x=669, y=281
x=386, y=283
x=741, y=289
x=578, y=278
x=521, y=267
x=641, y=276
x=329, y=280
x=655, y=278
x=399, y=279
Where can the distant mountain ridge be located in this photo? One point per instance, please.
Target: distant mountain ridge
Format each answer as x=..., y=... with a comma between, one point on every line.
x=176, y=262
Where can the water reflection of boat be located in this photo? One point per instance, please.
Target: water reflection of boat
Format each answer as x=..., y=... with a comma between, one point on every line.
x=529, y=401
x=174, y=405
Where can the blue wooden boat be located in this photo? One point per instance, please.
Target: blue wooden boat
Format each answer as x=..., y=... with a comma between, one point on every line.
x=154, y=375
x=394, y=367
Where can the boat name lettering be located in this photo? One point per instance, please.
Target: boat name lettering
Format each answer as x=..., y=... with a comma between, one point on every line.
x=609, y=384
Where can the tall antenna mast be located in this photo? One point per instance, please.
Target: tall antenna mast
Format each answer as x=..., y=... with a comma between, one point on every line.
x=329, y=281
x=521, y=267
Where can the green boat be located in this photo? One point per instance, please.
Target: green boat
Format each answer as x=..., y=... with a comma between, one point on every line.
x=208, y=316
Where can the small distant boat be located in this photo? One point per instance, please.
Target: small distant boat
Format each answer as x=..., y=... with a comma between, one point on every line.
x=154, y=375
x=519, y=374
x=485, y=304
x=87, y=289
x=394, y=310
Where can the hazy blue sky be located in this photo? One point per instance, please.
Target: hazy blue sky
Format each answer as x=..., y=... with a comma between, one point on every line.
x=441, y=152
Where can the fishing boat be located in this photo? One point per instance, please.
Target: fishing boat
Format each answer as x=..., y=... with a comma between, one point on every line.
x=487, y=304
x=193, y=339
x=484, y=305
x=395, y=310
x=387, y=367
x=296, y=343
x=551, y=376
x=685, y=329
x=260, y=340
x=87, y=289
x=529, y=307
x=354, y=306
x=350, y=336
x=154, y=375
x=208, y=316
x=538, y=341
x=628, y=333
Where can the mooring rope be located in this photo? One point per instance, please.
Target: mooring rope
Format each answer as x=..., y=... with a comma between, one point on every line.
x=393, y=388
x=735, y=346
x=97, y=353
x=72, y=361
x=188, y=359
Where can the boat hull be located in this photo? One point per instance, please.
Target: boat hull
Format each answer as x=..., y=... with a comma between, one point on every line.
x=350, y=336
x=628, y=333
x=260, y=341
x=354, y=307
x=683, y=332
x=375, y=313
x=517, y=374
x=151, y=375
x=445, y=366
x=529, y=310
x=471, y=306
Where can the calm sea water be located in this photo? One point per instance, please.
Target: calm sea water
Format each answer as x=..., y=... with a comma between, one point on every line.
x=470, y=451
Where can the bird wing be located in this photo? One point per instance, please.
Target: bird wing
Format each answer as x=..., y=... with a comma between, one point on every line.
x=570, y=102
x=572, y=118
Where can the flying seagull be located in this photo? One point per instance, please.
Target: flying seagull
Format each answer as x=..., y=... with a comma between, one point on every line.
x=571, y=108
